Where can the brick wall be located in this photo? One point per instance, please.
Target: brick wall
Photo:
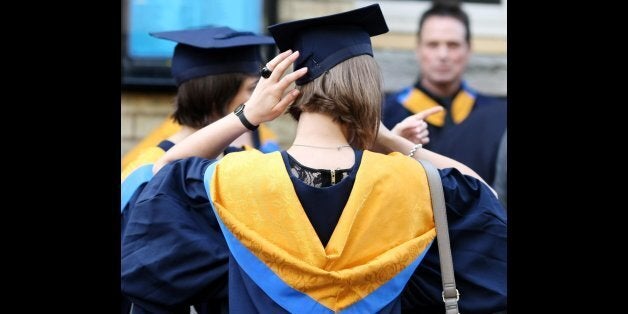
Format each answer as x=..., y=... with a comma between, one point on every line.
x=140, y=113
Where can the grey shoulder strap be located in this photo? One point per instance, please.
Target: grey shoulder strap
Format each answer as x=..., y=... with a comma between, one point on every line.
x=450, y=293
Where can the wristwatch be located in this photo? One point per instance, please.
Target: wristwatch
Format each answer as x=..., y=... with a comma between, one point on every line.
x=239, y=111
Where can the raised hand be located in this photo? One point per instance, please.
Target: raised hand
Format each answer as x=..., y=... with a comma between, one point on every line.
x=269, y=99
x=267, y=102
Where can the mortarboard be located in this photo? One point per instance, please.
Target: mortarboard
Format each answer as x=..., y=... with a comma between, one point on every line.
x=214, y=50
x=325, y=41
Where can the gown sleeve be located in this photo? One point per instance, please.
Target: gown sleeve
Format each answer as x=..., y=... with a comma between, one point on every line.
x=173, y=252
x=477, y=229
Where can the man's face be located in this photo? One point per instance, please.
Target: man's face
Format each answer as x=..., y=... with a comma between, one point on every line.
x=442, y=51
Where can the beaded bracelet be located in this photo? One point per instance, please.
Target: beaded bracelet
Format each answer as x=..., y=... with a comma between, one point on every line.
x=414, y=149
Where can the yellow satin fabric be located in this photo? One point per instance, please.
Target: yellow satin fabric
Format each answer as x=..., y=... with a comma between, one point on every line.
x=461, y=106
x=162, y=132
x=384, y=227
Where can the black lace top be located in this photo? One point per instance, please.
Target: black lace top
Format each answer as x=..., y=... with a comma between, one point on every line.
x=317, y=177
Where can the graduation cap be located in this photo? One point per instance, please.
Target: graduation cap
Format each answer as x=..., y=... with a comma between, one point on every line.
x=325, y=41
x=214, y=50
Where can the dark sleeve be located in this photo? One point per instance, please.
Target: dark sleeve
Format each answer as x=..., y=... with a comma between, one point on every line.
x=126, y=212
x=477, y=229
x=173, y=252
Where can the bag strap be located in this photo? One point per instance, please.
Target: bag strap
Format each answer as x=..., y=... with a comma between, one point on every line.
x=450, y=293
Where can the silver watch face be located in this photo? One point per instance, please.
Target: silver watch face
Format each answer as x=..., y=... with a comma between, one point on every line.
x=239, y=109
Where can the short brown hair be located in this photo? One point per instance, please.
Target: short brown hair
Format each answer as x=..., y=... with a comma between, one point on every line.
x=201, y=101
x=351, y=93
x=449, y=10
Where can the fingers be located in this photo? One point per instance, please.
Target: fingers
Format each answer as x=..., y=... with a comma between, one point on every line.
x=404, y=125
x=419, y=138
x=428, y=112
x=286, y=101
x=413, y=130
x=283, y=65
x=267, y=70
x=280, y=64
x=268, y=99
x=273, y=63
x=284, y=83
x=409, y=125
x=291, y=78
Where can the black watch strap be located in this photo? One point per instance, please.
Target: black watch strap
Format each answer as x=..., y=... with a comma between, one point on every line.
x=240, y=113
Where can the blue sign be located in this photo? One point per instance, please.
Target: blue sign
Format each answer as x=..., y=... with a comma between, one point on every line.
x=147, y=16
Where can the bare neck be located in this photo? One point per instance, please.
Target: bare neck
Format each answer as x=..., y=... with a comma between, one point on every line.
x=319, y=129
x=321, y=137
x=442, y=90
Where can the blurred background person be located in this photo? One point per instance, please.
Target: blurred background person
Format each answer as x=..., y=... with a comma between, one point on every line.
x=216, y=69
x=470, y=127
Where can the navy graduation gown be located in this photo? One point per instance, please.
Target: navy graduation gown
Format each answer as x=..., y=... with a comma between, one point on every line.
x=473, y=142
x=174, y=253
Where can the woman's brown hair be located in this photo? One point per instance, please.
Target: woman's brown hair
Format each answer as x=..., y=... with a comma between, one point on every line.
x=351, y=93
x=203, y=100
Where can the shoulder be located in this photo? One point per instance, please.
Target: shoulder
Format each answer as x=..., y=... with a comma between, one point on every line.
x=183, y=177
x=146, y=156
x=248, y=162
x=394, y=164
x=491, y=100
x=393, y=161
x=244, y=156
x=491, y=107
x=191, y=168
x=484, y=99
x=397, y=96
x=464, y=193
